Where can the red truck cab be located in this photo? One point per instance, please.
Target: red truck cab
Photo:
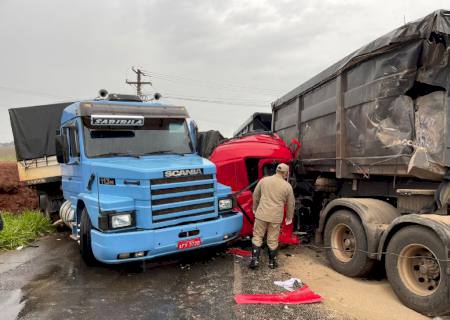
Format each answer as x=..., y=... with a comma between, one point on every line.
x=243, y=161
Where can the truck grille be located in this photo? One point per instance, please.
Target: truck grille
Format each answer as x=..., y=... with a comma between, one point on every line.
x=183, y=208
x=169, y=205
x=182, y=179
x=183, y=198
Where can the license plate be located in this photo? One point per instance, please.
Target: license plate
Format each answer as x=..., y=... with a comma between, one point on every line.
x=191, y=243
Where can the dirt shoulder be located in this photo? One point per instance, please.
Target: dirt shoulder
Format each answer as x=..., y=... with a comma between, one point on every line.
x=14, y=195
x=356, y=298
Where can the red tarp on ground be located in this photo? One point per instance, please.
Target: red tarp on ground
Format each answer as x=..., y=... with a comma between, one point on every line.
x=302, y=295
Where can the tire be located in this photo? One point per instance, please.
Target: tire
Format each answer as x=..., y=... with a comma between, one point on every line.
x=418, y=288
x=48, y=214
x=48, y=207
x=85, y=240
x=44, y=205
x=351, y=258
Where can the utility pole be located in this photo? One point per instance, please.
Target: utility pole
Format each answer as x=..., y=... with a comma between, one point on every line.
x=138, y=82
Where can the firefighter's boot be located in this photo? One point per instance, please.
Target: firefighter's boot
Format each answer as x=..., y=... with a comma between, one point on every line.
x=254, y=263
x=273, y=263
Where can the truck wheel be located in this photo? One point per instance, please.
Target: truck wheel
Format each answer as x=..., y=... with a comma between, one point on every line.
x=416, y=271
x=85, y=239
x=346, y=243
x=44, y=205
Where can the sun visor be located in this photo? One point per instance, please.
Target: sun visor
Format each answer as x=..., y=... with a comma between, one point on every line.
x=88, y=109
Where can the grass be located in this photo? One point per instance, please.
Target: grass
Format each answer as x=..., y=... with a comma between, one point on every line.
x=21, y=229
x=7, y=153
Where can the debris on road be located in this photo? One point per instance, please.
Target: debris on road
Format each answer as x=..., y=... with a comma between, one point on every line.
x=185, y=266
x=239, y=252
x=302, y=295
x=290, y=285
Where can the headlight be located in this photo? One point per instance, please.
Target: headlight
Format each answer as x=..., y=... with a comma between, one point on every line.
x=225, y=204
x=120, y=220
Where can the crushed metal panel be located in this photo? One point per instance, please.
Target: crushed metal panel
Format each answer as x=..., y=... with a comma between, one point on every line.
x=383, y=127
x=428, y=161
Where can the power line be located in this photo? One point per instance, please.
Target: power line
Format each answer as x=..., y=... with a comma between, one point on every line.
x=224, y=99
x=213, y=84
x=216, y=101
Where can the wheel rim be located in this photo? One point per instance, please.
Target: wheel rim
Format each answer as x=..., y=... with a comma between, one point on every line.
x=343, y=242
x=419, y=269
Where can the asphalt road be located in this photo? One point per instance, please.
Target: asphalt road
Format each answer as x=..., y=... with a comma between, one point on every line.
x=50, y=281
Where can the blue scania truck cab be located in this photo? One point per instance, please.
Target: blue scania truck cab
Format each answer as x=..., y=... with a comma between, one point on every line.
x=134, y=187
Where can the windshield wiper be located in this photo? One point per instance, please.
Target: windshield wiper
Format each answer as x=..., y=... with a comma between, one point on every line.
x=119, y=154
x=161, y=152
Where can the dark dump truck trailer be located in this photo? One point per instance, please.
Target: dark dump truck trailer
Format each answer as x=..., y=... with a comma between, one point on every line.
x=258, y=121
x=374, y=162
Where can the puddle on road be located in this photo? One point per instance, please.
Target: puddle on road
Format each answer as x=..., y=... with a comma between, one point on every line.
x=11, y=304
x=70, y=290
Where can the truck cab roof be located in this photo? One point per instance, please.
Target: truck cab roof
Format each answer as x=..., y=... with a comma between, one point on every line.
x=146, y=109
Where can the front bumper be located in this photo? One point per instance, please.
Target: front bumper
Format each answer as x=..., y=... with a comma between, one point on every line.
x=159, y=242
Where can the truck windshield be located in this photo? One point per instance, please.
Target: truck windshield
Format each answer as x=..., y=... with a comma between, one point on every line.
x=164, y=136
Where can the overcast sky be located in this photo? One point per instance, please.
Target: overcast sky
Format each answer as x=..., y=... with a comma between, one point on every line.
x=223, y=60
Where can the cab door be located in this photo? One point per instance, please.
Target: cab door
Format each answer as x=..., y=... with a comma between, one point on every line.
x=72, y=174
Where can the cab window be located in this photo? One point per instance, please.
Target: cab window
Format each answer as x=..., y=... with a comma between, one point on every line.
x=74, y=143
x=269, y=169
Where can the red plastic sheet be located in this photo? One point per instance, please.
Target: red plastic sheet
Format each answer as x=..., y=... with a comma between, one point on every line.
x=302, y=295
x=239, y=252
x=287, y=236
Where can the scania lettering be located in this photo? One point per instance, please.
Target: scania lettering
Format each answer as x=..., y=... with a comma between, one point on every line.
x=133, y=185
x=181, y=173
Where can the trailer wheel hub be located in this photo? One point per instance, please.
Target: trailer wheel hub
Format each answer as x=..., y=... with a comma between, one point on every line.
x=419, y=269
x=343, y=242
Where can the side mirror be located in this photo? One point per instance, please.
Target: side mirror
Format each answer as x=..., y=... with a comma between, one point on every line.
x=193, y=129
x=61, y=147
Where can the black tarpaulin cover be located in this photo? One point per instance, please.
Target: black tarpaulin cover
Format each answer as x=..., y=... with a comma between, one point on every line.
x=208, y=141
x=383, y=109
x=34, y=129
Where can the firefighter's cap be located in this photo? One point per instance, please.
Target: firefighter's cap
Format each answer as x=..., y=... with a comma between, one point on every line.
x=282, y=167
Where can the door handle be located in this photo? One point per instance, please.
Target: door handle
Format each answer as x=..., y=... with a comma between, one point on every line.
x=90, y=182
x=133, y=182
